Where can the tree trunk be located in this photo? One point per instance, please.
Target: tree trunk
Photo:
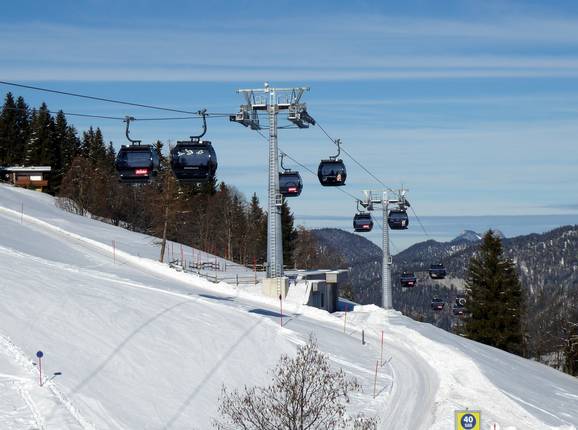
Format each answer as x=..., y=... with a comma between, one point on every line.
x=164, y=241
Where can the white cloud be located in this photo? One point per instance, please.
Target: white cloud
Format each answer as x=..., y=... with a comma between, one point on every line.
x=335, y=48
x=438, y=154
x=260, y=74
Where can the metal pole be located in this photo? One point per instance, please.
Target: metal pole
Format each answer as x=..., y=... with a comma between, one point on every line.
x=274, y=237
x=386, y=289
x=375, y=381
x=271, y=195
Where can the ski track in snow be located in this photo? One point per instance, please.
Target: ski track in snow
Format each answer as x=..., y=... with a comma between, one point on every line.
x=416, y=387
x=299, y=323
x=38, y=421
x=17, y=411
x=26, y=387
x=385, y=380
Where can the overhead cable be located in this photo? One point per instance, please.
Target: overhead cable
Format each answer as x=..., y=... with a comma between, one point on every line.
x=102, y=99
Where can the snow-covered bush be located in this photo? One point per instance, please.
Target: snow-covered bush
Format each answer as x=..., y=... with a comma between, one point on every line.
x=305, y=393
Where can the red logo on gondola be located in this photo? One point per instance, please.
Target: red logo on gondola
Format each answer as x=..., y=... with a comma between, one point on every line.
x=292, y=189
x=366, y=226
x=141, y=172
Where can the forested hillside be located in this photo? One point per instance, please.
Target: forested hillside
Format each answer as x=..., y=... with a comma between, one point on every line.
x=213, y=217
x=547, y=265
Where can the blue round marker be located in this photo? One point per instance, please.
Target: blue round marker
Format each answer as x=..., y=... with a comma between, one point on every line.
x=468, y=421
x=39, y=354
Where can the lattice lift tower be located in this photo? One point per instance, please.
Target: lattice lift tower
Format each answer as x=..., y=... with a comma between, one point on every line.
x=273, y=100
x=374, y=198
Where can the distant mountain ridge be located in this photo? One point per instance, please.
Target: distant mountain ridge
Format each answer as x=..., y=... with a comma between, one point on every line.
x=468, y=236
x=547, y=265
x=544, y=259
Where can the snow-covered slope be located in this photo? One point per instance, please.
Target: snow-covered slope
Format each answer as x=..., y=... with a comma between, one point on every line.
x=141, y=346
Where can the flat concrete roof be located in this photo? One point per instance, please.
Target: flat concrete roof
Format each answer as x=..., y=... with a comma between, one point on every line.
x=26, y=169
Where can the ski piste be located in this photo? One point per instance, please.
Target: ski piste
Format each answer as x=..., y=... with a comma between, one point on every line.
x=140, y=345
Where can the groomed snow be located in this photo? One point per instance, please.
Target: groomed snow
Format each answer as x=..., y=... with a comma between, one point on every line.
x=141, y=346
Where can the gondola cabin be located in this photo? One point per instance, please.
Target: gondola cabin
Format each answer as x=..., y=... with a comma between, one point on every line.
x=458, y=311
x=194, y=161
x=290, y=183
x=331, y=173
x=362, y=222
x=437, y=271
x=408, y=280
x=137, y=163
x=397, y=219
x=437, y=304
x=459, y=307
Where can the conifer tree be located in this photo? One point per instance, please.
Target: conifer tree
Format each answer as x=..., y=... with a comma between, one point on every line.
x=494, y=298
x=100, y=150
x=93, y=147
x=256, y=231
x=62, y=153
x=110, y=156
x=239, y=220
x=14, y=129
x=40, y=142
x=289, y=234
x=570, y=347
x=566, y=330
x=23, y=127
x=8, y=131
x=158, y=145
x=70, y=148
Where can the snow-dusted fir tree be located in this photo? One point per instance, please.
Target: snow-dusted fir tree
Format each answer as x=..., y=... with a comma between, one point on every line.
x=14, y=130
x=494, y=298
x=40, y=143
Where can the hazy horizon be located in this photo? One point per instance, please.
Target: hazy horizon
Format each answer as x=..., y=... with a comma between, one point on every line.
x=444, y=228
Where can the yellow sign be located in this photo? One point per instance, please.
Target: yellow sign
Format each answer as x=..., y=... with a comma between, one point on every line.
x=468, y=420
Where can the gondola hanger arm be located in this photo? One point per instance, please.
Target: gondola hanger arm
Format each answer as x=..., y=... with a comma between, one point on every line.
x=203, y=114
x=282, y=166
x=128, y=119
x=338, y=143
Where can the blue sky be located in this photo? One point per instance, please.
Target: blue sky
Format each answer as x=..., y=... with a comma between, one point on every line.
x=472, y=105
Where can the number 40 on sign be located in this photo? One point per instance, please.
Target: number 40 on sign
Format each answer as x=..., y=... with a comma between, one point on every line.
x=468, y=420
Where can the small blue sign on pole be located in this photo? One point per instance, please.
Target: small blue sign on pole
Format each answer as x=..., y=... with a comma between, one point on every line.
x=40, y=354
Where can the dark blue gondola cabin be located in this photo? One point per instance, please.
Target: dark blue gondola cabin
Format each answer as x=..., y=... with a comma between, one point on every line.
x=332, y=173
x=437, y=304
x=408, y=280
x=137, y=163
x=437, y=271
x=459, y=307
x=458, y=310
x=362, y=222
x=194, y=161
x=397, y=220
x=290, y=183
